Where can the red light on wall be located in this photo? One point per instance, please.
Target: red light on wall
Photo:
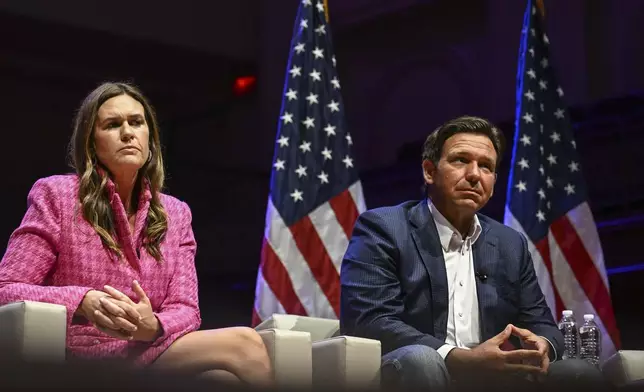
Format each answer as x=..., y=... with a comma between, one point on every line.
x=244, y=84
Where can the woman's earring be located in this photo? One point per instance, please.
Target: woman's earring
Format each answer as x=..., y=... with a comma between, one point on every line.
x=150, y=156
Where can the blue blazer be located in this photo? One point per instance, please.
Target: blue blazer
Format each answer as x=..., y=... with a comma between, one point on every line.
x=394, y=282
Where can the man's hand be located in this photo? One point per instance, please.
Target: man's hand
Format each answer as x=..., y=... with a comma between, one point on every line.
x=146, y=322
x=488, y=356
x=530, y=341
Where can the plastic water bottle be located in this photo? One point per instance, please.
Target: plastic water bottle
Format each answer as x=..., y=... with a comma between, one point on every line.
x=568, y=328
x=590, y=340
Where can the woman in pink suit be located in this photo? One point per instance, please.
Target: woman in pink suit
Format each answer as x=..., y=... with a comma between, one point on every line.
x=119, y=254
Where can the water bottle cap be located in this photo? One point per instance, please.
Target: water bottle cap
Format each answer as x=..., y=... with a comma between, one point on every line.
x=589, y=317
x=567, y=313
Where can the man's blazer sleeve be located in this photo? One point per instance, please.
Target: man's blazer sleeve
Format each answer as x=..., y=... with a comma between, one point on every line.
x=534, y=312
x=371, y=297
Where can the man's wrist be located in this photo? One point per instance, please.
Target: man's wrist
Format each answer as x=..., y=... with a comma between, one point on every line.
x=444, y=350
x=458, y=359
x=552, y=352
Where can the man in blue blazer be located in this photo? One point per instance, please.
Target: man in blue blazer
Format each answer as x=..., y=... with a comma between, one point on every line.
x=448, y=291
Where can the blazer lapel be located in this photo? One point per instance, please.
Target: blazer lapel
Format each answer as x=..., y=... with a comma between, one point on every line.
x=425, y=236
x=485, y=262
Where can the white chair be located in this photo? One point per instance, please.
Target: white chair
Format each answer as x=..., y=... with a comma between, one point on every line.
x=338, y=361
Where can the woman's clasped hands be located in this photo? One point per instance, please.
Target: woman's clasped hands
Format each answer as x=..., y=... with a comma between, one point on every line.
x=115, y=314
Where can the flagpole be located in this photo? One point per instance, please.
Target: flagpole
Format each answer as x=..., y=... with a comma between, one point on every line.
x=326, y=10
x=540, y=7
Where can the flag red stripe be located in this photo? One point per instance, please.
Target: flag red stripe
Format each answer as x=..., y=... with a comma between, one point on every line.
x=544, y=249
x=278, y=280
x=586, y=273
x=345, y=210
x=310, y=245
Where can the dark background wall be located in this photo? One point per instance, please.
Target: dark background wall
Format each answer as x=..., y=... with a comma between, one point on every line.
x=405, y=67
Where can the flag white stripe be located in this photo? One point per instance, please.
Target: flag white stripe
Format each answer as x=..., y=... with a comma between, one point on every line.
x=358, y=197
x=582, y=220
x=543, y=276
x=330, y=232
x=306, y=287
x=573, y=295
x=266, y=303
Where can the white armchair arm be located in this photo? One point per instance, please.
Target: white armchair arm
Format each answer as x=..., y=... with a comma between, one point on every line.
x=347, y=362
x=319, y=328
x=290, y=354
x=625, y=366
x=33, y=330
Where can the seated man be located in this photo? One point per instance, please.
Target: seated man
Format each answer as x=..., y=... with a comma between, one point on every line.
x=447, y=290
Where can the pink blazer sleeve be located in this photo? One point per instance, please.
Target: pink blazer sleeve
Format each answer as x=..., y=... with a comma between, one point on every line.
x=179, y=312
x=32, y=252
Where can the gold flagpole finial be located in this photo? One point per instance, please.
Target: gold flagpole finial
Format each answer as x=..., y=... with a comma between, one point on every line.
x=541, y=8
x=326, y=10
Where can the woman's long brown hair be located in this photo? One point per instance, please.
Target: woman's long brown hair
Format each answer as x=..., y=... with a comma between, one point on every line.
x=92, y=194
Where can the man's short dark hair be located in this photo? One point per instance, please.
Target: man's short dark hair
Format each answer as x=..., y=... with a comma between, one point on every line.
x=433, y=146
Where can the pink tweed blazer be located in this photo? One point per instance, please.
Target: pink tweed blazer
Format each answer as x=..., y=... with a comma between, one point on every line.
x=55, y=256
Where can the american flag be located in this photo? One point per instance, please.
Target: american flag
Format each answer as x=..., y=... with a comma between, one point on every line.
x=547, y=199
x=315, y=193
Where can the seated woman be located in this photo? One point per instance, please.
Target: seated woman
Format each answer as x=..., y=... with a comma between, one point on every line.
x=119, y=254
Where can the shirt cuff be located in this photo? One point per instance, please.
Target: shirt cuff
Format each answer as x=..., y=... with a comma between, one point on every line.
x=444, y=350
x=554, y=351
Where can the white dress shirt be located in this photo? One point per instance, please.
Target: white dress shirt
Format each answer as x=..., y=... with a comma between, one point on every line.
x=463, y=312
